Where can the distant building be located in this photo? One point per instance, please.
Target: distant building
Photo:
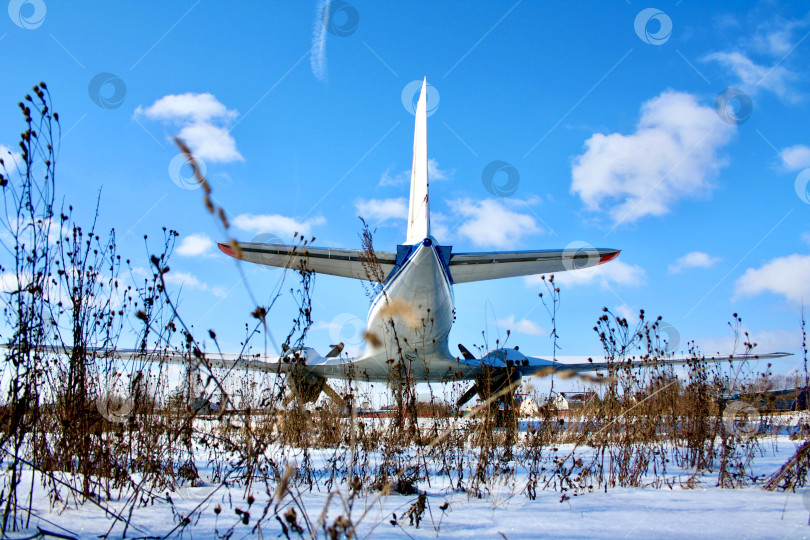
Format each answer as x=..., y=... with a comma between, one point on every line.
x=565, y=401
x=528, y=407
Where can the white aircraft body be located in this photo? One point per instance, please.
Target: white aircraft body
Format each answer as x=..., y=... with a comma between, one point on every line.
x=411, y=317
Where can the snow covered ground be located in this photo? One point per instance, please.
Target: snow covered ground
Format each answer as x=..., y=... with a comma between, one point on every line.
x=705, y=511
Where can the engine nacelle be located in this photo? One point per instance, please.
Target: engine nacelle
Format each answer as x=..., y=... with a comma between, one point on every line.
x=300, y=355
x=303, y=383
x=499, y=358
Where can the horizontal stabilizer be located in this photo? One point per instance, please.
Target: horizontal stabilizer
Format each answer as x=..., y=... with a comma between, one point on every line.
x=335, y=262
x=467, y=267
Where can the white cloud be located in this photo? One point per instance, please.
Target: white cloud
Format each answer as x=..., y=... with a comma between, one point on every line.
x=219, y=291
x=671, y=156
x=775, y=43
x=397, y=180
x=204, y=122
x=184, y=279
x=53, y=227
x=772, y=41
x=317, y=53
x=376, y=211
x=58, y=292
x=190, y=281
x=9, y=282
x=788, y=276
x=767, y=341
x=282, y=226
x=490, y=223
x=346, y=328
x=211, y=143
x=796, y=157
x=523, y=326
x=194, y=245
x=776, y=36
x=434, y=173
x=694, y=259
x=12, y=160
x=626, y=312
x=615, y=272
x=322, y=325
x=187, y=107
x=440, y=226
x=754, y=77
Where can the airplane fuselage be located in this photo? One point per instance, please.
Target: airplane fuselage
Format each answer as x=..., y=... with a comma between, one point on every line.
x=412, y=316
x=409, y=322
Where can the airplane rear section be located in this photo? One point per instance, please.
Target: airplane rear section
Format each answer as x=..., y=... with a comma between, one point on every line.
x=413, y=313
x=410, y=320
x=419, y=204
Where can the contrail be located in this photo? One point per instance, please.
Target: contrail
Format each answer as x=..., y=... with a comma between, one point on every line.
x=317, y=58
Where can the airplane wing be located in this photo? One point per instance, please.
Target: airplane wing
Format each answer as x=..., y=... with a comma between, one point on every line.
x=506, y=367
x=306, y=382
x=539, y=366
x=467, y=267
x=336, y=262
x=247, y=362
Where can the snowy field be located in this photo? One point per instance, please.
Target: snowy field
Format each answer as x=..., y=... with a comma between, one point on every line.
x=705, y=511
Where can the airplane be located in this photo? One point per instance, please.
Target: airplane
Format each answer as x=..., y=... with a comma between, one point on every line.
x=410, y=318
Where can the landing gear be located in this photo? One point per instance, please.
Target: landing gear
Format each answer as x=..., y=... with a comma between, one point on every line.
x=507, y=412
x=306, y=387
x=495, y=387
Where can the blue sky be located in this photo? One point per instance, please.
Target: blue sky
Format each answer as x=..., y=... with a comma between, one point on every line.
x=607, y=113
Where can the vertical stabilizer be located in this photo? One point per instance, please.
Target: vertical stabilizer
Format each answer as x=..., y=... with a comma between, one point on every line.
x=418, y=209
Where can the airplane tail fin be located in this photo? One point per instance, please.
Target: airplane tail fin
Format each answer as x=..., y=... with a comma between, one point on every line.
x=418, y=208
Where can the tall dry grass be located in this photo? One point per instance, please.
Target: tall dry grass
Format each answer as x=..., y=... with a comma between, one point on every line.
x=96, y=429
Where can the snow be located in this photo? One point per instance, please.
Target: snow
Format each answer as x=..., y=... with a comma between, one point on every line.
x=705, y=511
